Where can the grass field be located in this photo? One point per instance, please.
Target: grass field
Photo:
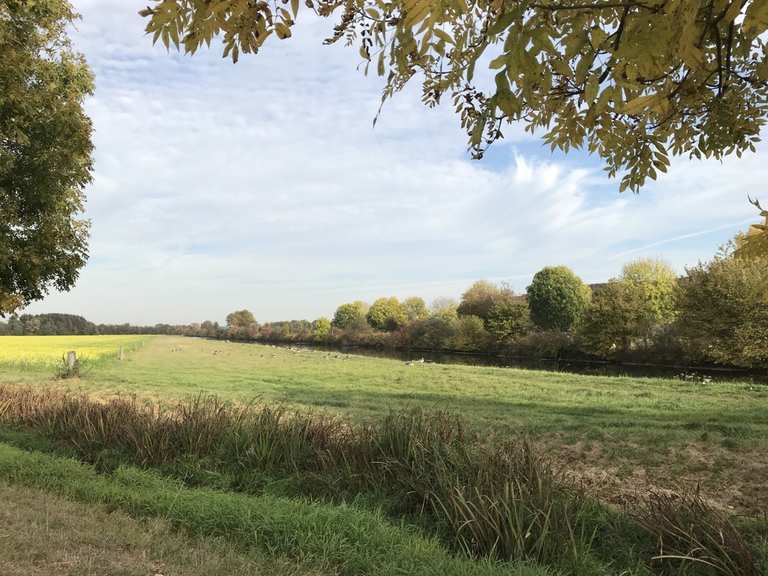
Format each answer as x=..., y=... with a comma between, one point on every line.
x=616, y=432
x=49, y=350
x=614, y=435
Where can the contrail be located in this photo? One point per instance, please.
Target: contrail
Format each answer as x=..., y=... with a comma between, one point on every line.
x=681, y=237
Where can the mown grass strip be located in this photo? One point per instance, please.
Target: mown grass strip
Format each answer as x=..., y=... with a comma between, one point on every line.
x=43, y=535
x=346, y=539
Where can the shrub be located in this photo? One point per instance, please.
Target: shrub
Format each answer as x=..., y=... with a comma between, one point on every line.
x=557, y=298
x=544, y=344
x=470, y=334
x=509, y=319
x=436, y=332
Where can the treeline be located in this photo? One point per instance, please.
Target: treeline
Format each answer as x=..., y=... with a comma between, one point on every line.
x=47, y=325
x=717, y=313
x=70, y=324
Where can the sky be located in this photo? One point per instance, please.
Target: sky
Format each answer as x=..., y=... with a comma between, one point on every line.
x=264, y=185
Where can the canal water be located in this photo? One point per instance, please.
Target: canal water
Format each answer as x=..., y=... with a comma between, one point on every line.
x=699, y=374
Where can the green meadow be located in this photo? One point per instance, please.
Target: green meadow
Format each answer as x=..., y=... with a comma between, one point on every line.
x=611, y=436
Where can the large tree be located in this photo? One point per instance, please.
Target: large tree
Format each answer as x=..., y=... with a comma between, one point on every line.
x=557, y=298
x=631, y=309
x=654, y=281
x=631, y=80
x=387, y=314
x=351, y=316
x=45, y=151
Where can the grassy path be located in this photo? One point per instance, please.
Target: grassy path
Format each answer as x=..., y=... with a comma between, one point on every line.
x=44, y=534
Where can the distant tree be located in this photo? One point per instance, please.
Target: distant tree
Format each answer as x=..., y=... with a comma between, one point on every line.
x=386, y=314
x=415, y=309
x=656, y=282
x=210, y=329
x=508, y=319
x=30, y=324
x=557, y=298
x=351, y=316
x=481, y=297
x=723, y=309
x=614, y=316
x=321, y=328
x=15, y=327
x=445, y=307
x=240, y=319
x=630, y=309
x=45, y=151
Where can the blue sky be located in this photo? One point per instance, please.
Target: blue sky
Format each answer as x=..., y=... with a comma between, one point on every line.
x=264, y=185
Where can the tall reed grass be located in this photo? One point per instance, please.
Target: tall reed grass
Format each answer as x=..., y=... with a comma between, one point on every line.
x=506, y=501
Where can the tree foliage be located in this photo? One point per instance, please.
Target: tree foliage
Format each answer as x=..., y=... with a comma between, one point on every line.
x=754, y=244
x=351, y=315
x=321, y=328
x=387, y=314
x=508, y=319
x=629, y=310
x=633, y=81
x=47, y=325
x=557, y=298
x=45, y=151
x=415, y=308
x=654, y=283
x=240, y=319
x=481, y=297
x=614, y=316
x=723, y=308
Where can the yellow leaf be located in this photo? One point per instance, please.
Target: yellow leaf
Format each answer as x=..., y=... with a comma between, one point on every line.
x=639, y=104
x=756, y=18
x=282, y=31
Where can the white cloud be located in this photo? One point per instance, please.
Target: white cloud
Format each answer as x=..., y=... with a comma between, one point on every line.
x=264, y=184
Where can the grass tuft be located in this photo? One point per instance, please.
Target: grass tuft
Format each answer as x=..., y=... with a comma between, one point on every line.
x=689, y=531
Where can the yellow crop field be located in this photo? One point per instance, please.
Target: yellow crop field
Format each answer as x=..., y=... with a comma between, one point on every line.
x=50, y=349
